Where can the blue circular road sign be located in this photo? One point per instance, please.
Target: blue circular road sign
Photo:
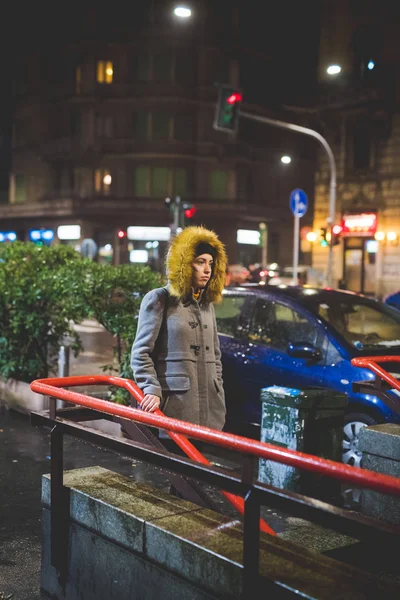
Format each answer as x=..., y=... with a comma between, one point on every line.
x=298, y=202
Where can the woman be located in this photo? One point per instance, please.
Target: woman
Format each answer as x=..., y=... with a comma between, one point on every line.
x=176, y=358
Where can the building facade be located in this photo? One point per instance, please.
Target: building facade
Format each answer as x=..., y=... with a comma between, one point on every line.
x=359, y=115
x=113, y=120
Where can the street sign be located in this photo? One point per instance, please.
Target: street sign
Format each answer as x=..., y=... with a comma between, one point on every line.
x=298, y=203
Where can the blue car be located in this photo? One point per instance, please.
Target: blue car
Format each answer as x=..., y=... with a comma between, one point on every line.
x=300, y=336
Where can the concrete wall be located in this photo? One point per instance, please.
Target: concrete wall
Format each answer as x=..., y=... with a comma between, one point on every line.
x=129, y=541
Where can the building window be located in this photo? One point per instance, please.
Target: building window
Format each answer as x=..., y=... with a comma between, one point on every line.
x=183, y=127
x=160, y=126
x=78, y=80
x=180, y=182
x=141, y=181
x=162, y=67
x=219, y=184
x=362, y=148
x=184, y=69
x=104, y=126
x=105, y=71
x=140, y=122
x=20, y=188
x=159, y=181
x=102, y=181
x=142, y=67
x=76, y=123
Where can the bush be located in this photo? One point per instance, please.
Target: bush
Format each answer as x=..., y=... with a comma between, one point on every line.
x=45, y=290
x=115, y=297
x=41, y=294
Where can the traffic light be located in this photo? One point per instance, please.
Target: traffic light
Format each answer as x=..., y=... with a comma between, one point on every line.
x=189, y=210
x=227, y=109
x=324, y=240
x=182, y=212
x=336, y=231
x=121, y=234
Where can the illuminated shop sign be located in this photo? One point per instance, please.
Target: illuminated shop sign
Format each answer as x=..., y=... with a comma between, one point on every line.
x=44, y=236
x=8, y=236
x=69, y=232
x=248, y=236
x=151, y=234
x=363, y=224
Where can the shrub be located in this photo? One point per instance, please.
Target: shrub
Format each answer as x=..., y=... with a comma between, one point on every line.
x=42, y=292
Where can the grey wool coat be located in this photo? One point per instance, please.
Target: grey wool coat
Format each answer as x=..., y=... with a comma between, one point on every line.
x=176, y=356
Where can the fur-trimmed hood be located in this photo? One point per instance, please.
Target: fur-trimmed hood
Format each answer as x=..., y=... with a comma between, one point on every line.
x=180, y=257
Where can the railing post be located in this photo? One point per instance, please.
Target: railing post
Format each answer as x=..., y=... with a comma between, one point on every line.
x=59, y=498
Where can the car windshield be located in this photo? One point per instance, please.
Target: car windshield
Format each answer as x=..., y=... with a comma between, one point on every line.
x=363, y=323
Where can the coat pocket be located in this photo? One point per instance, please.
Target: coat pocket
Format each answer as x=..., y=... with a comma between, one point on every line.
x=175, y=383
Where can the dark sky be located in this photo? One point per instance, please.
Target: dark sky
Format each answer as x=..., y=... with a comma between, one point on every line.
x=286, y=30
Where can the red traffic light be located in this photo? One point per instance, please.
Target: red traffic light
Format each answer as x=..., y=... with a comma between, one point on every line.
x=121, y=234
x=233, y=98
x=190, y=212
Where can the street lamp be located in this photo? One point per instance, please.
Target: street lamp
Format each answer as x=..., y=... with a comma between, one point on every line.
x=286, y=159
x=183, y=12
x=333, y=69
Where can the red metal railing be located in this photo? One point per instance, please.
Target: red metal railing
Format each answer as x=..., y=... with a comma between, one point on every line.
x=179, y=429
x=372, y=363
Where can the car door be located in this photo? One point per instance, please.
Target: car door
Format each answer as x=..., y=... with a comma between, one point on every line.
x=266, y=360
x=233, y=320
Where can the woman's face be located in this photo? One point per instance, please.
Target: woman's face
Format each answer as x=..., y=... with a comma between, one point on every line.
x=202, y=270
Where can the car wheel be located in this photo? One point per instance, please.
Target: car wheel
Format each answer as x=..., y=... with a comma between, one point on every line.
x=352, y=424
x=351, y=455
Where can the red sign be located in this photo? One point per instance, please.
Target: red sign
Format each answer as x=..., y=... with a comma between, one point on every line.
x=363, y=224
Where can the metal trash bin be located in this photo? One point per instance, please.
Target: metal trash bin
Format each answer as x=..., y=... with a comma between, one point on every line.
x=309, y=420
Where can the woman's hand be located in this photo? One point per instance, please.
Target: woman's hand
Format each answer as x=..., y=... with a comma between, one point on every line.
x=150, y=403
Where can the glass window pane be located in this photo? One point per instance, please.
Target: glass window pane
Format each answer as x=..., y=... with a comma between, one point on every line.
x=183, y=127
x=20, y=191
x=184, y=69
x=140, y=125
x=180, y=182
x=141, y=181
x=219, y=184
x=159, y=181
x=142, y=67
x=100, y=71
x=228, y=314
x=162, y=67
x=160, y=126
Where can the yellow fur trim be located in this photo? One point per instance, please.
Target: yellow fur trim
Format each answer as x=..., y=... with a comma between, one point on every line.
x=181, y=256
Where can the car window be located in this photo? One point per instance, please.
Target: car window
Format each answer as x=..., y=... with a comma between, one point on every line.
x=362, y=324
x=277, y=324
x=228, y=314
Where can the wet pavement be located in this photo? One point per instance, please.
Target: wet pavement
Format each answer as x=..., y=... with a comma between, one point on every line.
x=25, y=457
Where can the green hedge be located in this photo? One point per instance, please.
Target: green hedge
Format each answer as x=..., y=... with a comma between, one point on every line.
x=45, y=290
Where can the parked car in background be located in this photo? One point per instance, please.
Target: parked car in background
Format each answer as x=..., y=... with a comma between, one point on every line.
x=300, y=337
x=305, y=275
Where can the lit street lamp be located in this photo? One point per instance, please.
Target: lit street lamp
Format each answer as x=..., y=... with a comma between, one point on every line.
x=286, y=159
x=183, y=12
x=333, y=69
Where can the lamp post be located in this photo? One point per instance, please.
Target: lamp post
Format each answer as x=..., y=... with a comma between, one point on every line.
x=332, y=164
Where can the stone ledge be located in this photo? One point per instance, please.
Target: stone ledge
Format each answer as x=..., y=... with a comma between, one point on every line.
x=194, y=545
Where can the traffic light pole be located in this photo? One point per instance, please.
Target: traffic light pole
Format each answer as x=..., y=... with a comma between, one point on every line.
x=332, y=165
